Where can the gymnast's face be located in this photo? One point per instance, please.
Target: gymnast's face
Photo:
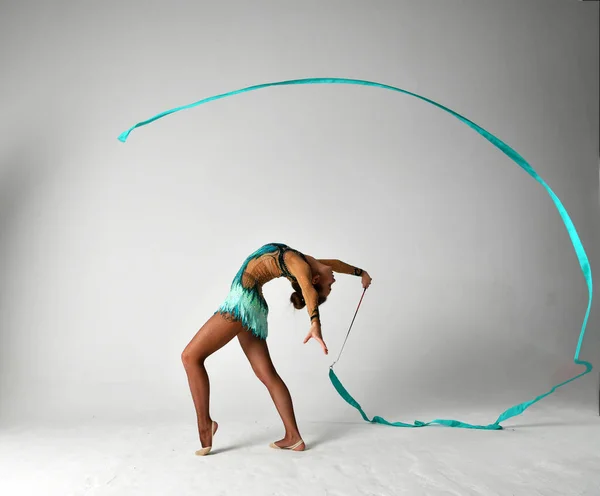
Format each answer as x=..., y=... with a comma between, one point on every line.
x=325, y=279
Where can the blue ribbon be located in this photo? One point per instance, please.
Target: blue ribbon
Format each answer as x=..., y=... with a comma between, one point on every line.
x=513, y=155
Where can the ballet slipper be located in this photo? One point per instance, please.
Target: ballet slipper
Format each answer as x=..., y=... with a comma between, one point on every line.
x=293, y=447
x=206, y=450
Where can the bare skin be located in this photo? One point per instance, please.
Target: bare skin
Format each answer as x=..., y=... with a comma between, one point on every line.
x=257, y=352
x=215, y=334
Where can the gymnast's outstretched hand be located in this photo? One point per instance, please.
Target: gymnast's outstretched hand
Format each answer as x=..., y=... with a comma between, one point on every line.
x=315, y=332
x=366, y=279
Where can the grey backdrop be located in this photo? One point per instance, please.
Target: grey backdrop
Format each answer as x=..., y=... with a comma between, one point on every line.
x=113, y=255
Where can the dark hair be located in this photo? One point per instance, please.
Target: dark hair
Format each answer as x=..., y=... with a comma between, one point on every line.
x=297, y=298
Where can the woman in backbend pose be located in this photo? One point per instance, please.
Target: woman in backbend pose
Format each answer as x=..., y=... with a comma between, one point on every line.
x=244, y=314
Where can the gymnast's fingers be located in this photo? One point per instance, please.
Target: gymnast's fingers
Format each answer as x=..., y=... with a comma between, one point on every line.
x=324, y=346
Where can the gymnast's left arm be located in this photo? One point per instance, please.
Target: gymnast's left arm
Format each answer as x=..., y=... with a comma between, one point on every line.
x=344, y=268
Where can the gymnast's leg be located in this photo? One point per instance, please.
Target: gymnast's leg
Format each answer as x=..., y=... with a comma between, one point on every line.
x=214, y=334
x=257, y=353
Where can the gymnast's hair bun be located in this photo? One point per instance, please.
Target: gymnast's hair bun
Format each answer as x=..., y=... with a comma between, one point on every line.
x=297, y=300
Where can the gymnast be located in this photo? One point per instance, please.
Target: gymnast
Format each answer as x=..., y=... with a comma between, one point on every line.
x=244, y=314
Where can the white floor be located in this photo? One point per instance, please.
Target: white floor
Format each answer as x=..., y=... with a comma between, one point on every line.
x=547, y=452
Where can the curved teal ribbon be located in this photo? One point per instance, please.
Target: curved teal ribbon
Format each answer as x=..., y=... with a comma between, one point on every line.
x=513, y=155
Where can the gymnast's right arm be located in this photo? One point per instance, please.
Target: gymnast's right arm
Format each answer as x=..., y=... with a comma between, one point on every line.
x=301, y=271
